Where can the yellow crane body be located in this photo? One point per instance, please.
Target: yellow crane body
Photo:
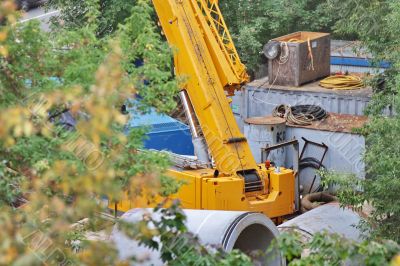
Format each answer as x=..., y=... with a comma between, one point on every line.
x=203, y=191
x=208, y=62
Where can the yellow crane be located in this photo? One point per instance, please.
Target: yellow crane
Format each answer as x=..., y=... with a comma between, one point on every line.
x=207, y=59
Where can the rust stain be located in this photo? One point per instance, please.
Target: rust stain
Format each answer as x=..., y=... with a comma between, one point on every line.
x=337, y=123
x=265, y=120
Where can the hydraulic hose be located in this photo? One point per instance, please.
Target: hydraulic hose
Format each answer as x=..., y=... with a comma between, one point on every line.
x=342, y=82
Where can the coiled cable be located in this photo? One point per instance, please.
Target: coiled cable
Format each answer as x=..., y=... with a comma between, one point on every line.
x=302, y=115
x=342, y=82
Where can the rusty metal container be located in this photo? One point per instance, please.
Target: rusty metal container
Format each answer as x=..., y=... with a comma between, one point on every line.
x=304, y=57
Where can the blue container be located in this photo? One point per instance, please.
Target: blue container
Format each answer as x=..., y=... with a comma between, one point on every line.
x=361, y=62
x=165, y=133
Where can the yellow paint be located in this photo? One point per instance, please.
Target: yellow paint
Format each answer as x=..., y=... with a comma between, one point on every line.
x=207, y=56
x=396, y=261
x=203, y=191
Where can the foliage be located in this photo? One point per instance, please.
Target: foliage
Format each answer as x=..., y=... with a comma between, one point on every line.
x=146, y=54
x=107, y=16
x=375, y=24
x=348, y=187
x=18, y=72
x=382, y=186
x=87, y=65
x=61, y=173
x=254, y=23
x=10, y=185
x=332, y=249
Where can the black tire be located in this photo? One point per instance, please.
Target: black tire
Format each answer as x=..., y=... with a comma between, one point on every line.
x=314, y=200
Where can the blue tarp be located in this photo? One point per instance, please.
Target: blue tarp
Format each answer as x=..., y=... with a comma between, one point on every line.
x=165, y=133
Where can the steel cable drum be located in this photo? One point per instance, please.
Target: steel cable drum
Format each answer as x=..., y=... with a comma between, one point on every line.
x=247, y=231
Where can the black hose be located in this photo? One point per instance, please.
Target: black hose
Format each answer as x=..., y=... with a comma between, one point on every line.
x=300, y=114
x=311, y=162
x=313, y=111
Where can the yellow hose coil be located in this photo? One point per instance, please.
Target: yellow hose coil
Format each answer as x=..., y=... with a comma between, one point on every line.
x=294, y=40
x=342, y=82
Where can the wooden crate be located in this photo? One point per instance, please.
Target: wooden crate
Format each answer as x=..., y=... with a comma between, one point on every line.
x=299, y=67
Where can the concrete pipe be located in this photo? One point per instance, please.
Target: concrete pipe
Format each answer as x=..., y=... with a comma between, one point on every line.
x=246, y=231
x=329, y=217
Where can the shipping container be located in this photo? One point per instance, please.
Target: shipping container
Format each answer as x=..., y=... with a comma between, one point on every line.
x=164, y=133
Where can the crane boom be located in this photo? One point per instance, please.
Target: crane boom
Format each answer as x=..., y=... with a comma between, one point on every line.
x=206, y=59
x=182, y=23
x=213, y=22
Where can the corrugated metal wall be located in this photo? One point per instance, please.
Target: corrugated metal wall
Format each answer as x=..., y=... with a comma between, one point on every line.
x=355, y=69
x=345, y=149
x=236, y=105
x=260, y=102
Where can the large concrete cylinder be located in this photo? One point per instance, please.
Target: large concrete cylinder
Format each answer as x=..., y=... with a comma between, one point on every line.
x=262, y=132
x=246, y=231
x=330, y=218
